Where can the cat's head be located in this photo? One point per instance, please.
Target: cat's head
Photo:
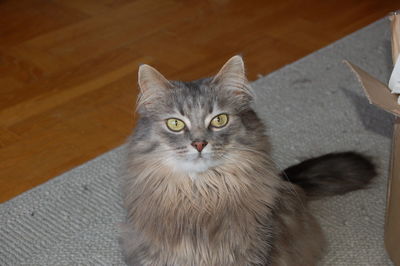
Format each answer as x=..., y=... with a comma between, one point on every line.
x=195, y=126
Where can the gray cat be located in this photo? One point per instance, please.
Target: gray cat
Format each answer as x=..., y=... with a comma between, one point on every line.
x=200, y=188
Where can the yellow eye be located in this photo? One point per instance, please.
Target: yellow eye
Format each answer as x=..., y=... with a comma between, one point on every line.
x=175, y=124
x=219, y=121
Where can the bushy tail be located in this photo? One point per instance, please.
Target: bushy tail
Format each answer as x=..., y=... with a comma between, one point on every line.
x=332, y=174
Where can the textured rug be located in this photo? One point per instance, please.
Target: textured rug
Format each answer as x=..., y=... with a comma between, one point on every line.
x=311, y=107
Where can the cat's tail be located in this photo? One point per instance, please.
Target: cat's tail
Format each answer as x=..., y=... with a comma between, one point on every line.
x=332, y=174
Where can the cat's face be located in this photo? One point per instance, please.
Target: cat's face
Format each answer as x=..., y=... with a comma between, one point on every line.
x=196, y=125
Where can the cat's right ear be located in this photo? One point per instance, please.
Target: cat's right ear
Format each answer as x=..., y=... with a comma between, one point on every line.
x=151, y=83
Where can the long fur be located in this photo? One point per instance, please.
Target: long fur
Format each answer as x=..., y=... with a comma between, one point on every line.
x=240, y=211
x=332, y=174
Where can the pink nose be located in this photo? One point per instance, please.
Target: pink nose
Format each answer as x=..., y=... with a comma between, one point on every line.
x=199, y=145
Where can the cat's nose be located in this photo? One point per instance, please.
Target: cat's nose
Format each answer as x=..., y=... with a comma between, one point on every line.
x=199, y=145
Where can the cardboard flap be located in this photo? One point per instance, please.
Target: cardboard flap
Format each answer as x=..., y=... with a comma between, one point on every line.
x=394, y=82
x=377, y=92
x=392, y=229
x=395, y=18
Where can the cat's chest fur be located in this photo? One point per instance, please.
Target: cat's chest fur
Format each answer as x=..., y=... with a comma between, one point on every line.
x=213, y=219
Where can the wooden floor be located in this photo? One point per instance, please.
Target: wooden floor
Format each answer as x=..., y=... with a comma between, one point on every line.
x=68, y=67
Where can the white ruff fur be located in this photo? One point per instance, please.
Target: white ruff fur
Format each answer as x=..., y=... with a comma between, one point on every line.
x=194, y=162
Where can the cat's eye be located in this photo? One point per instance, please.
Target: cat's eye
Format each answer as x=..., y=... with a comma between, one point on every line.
x=175, y=124
x=219, y=121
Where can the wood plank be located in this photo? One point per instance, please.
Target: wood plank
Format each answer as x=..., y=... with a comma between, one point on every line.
x=56, y=97
x=25, y=19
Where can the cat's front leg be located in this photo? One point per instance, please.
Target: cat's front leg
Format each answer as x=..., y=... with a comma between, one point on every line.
x=134, y=249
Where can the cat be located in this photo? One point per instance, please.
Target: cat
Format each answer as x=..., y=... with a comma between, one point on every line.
x=199, y=185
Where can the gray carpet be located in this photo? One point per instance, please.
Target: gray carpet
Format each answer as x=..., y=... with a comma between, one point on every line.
x=311, y=107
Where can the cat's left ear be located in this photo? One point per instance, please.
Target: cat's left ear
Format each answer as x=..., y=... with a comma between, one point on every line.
x=232, y=77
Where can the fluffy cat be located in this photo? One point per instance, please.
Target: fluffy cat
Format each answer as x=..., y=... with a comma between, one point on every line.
x=200, y=188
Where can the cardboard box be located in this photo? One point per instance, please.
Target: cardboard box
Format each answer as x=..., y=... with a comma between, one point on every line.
x=380, y=95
